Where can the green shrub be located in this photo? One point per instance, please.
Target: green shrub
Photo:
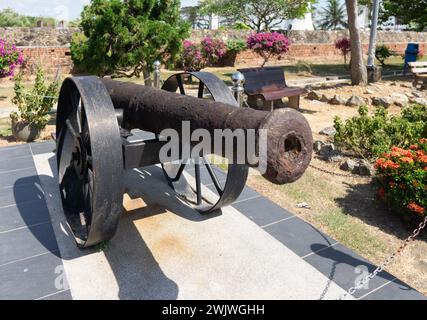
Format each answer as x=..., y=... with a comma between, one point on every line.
x=236, y=46
x=403, y=179
x=382, y=53
x=373, y=135
x=34, y=105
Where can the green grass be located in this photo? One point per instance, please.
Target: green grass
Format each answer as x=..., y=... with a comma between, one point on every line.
x=321, y=195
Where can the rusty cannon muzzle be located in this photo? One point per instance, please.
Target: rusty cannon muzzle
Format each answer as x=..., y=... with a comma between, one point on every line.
x=289, y=138
x=97, y=140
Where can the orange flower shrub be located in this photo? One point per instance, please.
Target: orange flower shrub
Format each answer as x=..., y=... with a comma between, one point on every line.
x=403, y=179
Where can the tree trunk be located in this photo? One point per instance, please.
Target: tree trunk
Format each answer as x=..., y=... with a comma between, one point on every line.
x=359, y=74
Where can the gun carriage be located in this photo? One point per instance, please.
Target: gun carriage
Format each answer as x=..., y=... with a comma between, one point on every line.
x=95, y=120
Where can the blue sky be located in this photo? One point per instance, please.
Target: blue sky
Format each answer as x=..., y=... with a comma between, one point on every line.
x=59, y=9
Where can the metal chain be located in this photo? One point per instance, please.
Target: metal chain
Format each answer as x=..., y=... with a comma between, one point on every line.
x=387, y=262
x=339, y=174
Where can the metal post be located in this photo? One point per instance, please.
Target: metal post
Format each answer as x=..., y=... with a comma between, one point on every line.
x=156, y=66
x=238, y=80
x=373, y=36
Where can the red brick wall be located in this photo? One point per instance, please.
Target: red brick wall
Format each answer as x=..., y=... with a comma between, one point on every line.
x=50, y=58
x=53, y=57
x=312, y=53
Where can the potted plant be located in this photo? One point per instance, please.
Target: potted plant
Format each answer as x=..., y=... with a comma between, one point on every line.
x=10, y=58
x=34, y=106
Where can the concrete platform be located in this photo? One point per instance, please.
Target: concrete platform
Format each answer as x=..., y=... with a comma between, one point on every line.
x=251, y=250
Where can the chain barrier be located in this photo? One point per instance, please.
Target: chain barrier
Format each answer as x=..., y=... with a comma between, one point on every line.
x=387, y=262
x=339, y=174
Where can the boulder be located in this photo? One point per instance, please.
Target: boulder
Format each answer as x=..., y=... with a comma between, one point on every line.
x=329, y=131
x=325, y=98
x=349, y=165
x=314, y=95
x=418, y=101
x=337, y=100
x=326, y=149
x=317, y=145
x=417, y=94
x=365, y=168
x=381, y=102
x=399, y=100
x=356, y=101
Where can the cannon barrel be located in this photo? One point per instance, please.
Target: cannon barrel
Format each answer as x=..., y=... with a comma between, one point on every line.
x=289, y=137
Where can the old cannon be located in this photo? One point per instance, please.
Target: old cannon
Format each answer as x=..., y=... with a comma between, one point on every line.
x=95, y=120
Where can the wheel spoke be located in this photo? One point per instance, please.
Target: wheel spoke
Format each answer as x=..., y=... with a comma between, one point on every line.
x=66, y=153
x=214, y=178
x=87, y=194
x=180, y=84
x=201, y=90
x=71, y=129
x=198, y=184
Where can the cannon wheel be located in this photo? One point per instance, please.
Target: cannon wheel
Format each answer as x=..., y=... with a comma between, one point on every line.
x=89, y=159
x=226, y=191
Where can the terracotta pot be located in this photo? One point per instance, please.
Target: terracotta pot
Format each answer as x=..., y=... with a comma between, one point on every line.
x=24, y=131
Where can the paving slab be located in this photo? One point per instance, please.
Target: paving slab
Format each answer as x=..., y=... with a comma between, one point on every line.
x=165, y=250
x=169, y=251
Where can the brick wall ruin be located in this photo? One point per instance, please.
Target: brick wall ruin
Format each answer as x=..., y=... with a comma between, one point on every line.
x=50, y=46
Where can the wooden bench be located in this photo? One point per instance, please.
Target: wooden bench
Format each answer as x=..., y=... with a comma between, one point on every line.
x=419, y=70
x=265, y=88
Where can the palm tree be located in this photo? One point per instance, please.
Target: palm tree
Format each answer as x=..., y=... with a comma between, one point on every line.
x=333, y=17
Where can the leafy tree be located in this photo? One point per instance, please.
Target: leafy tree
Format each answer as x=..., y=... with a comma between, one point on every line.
x=333, y=17
x=123, y=38
x=10, y=18
x=411, y=12
x=194, y=16
x=259, y=15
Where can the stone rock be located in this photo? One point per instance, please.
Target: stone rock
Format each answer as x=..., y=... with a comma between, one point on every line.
x=349, y=165
x=406, y=85
x=337, y=100
x=330, y=154
x=381, y=102
x=317, y=145
x=417, y=94
x=399, y=100
x=365, y=168
x=329, y=131
x=314, y=95
x=418, y=101
x=334, y=156
x=369, y=91
x=356, y=101
x=326, y=98
x=326, y=149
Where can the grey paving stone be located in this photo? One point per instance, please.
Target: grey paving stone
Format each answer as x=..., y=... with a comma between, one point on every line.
x=396, y=290
x=262, y=211
x=43, y=147
x=14, y=152
x=30, y=279
x=64, y=295
x=13, y=178
x=27, y=242
x=299, y=236
x=20, y=194
x=22, y=215
x=17, y=163
x=345, y=267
